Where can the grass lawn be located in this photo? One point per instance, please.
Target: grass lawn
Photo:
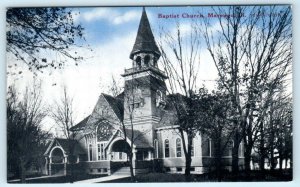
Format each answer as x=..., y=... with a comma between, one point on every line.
x=61, y=179
x=285, y=175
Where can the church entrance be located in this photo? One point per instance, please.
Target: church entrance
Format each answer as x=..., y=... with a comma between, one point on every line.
x=58, y=161
x=119, y=152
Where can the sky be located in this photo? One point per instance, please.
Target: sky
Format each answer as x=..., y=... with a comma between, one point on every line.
x=110, y=32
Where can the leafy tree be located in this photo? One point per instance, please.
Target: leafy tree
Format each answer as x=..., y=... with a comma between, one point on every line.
x=214, y=115
x=43, y=37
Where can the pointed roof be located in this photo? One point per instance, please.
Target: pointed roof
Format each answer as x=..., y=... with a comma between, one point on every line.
x=116, y=104
x=81, y=124
x=144, y=41
x=64, y=144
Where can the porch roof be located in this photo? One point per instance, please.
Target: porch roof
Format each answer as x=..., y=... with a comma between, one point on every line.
x=64, y=144
x=138, y=139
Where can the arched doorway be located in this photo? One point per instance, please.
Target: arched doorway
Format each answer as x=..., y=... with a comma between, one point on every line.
x=119, y=151
x=58, y=161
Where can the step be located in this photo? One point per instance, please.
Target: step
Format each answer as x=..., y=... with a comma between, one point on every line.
x=122, y=171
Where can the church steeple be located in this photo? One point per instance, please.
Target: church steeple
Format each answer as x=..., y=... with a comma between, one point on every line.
x=145, y=42
x=145, y=53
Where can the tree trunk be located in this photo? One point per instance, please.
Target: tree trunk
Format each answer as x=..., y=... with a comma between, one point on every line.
x=235, y=154
x=247, y=155
x=23, y=171
x=187, y=172
x=280, y=162
x=187, y=153
x=218, y=160
x=272, y=160
x=262, y=148
x=130, y=155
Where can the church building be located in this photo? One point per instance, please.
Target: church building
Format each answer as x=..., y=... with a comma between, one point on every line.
x=140, y=118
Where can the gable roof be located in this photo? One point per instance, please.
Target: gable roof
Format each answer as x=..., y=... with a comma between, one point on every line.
x=64, y=144
x=116, y=104
x=81, y=125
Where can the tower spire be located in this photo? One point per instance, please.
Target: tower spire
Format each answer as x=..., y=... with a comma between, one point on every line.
x=144, y=41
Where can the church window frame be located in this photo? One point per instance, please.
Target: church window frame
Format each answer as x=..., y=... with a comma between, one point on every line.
x=208, y=143
x=90, y=152
x=241, y=150
x=101, y=153
x=156, y=148
x=178, y=147
x=138, y=61
x=193, y=148
x=166, y=148
x=147, y=59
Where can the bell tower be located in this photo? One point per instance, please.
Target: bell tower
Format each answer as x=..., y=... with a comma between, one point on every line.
x=145, y=88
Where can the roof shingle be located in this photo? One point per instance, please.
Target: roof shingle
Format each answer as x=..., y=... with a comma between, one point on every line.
x=144, y=41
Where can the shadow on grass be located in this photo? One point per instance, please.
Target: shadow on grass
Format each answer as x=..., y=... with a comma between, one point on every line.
x=277, y=175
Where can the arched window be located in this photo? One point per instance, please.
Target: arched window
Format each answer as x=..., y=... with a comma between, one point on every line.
x=228, y=149
x=206, y=147
x=90, y=152
x=192, y=148
x=156, y=148
x=158, y=97
x=147, y=60
x=178, y=147
x=241, y=150
x=155, y=62
x=138, y=62
x=167, y=148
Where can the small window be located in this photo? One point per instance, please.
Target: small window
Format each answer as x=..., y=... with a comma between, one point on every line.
x=155, y=62
x=146, y=60
x=99, y=152
x=91, y=152
x=167, y=169
x=105, y=170
x=91, y=170
x=120, y=156
x=192, y=168
x=99, y=170
x=156, y=148
x=138, y=62
x=241, y=150
x=136, y=105
x=167, y=149
x=192, y=149
x=178, y=147
x=178, y=169
x=206, y=145
x=228, y=149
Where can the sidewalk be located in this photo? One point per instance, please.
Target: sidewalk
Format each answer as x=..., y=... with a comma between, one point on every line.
x=103, y=179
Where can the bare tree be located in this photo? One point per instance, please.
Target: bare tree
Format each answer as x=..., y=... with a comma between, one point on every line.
x=63, y=114
x=252, y=53
x=181, y=61
x=24, y=119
